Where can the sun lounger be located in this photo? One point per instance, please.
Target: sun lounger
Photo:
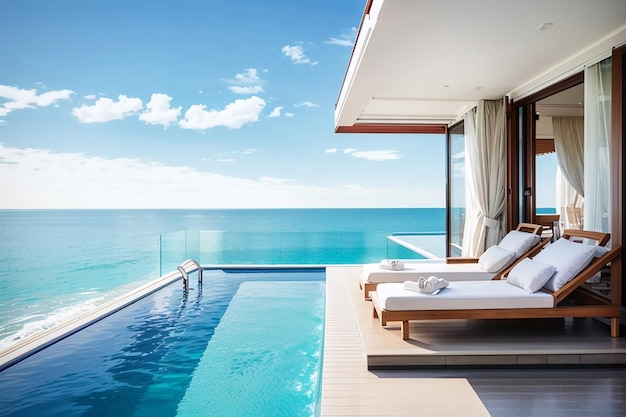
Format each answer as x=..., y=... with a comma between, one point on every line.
x=512, y=298
x=524, y=241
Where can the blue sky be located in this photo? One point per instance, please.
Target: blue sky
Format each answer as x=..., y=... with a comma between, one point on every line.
x=193, y=104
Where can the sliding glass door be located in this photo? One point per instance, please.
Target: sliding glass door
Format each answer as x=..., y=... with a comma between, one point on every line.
x=456, y=189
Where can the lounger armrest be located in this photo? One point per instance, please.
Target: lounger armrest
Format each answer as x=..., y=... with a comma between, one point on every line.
x=600, y=237
x=461, y=260
x=530, y=228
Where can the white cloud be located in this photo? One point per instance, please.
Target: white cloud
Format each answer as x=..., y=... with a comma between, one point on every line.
x=332, y=150
x=346, y=39
x=340, y=42
x=287, y=114
x=306, y=104
x=90, y=97
x=40, y=178
x=296, y=54
x=223, y=157
x=233, y=116
x=158, y=111
x=106, y=110
x=251, y=76
x=247, y=82
x=379, y=155
x=254, y=89
x=275, y=112
x=29, y=99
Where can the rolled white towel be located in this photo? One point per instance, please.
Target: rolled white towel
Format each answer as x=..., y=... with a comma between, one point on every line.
x=392, y=264
x=431, y=285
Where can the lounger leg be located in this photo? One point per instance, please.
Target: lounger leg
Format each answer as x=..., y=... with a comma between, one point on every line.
x=404, y=327
x=367, y=287
x=375, y=313
x=614, y=326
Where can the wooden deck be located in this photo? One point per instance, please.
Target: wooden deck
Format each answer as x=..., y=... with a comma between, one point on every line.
x=500, y=368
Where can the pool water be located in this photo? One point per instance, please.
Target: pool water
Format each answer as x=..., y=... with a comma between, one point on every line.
x=244, y=343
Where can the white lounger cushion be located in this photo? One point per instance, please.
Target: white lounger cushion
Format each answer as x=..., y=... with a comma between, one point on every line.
x=462, y=295
x=568, y=257
x=495, y=258
x=413, y=271
x=519, y=242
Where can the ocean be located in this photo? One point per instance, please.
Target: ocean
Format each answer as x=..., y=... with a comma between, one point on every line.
x=57, y=264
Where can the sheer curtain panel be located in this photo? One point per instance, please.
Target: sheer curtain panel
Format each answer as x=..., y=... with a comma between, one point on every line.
x=597, y=140
x=485, y=147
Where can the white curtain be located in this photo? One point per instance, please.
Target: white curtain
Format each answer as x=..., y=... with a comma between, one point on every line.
x=472, y=211
x=566, y=196
x=485, y=164
x=569, y=137
x=597, y=140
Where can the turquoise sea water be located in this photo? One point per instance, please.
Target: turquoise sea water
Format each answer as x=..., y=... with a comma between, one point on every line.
x=55, y=264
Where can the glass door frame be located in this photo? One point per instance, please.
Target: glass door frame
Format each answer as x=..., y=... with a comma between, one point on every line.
x=455, y=129
x=521, y=201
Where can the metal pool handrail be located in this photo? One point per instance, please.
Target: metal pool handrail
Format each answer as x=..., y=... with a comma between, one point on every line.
x=183, y=272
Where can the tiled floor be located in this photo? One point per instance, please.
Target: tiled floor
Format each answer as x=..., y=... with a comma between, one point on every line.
x=354, y=342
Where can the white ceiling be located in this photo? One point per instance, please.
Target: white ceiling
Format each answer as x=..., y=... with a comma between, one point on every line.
x=570, y=102
x=430, y=61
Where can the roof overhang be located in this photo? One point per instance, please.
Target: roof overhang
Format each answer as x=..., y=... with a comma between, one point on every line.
x=419, y=65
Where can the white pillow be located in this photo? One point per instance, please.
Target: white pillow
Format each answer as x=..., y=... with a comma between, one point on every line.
x=495, y=258
x=600, y=251
x=530, y=275
x=569, y=258
x=519, y=242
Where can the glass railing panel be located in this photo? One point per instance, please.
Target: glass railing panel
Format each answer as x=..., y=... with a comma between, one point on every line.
x=397, y=251
x=417, y=245
x=294, y=248
x=310, y=248
x=193, y=244
x=173, y=250
x=210, y=247
x=250, y=248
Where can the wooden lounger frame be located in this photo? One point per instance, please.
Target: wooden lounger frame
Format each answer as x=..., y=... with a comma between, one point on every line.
x=591, y=304
x=536, y=229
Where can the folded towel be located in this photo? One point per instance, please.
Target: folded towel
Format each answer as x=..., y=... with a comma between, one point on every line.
x=392, y=264
x=431, y=285
x=412, y=286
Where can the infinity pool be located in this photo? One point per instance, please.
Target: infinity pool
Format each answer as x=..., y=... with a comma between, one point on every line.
x=242, y=344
